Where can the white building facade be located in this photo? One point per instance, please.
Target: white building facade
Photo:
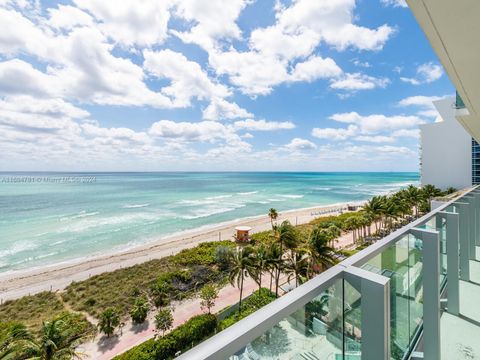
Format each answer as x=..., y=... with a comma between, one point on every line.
x=446, y=150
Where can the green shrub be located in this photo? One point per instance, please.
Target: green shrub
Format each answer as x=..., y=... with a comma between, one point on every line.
x=180, y=339
x=202, y=254
x=262, y=237
x=257, y=300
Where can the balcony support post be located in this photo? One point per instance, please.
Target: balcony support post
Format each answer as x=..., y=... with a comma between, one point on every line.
x=453, y=280
x=375, y=309
x=431, y=292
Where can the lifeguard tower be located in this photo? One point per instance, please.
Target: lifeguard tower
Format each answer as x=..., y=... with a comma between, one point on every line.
x=242, y=233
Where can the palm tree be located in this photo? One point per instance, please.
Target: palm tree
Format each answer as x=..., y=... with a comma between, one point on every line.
x=352, y=225
x=273, y=215
x=164, y=320
x=261, y=261
x=109, y=320
x=285, y=234
x=319, y=240
x=392, y=212
x=241, y=265
x=139, y=310
x=57, y=341
x=375, y=208
x=413, y=196
x=297, y=265
x=274, y=261
x=335, y=232
x=15, y=341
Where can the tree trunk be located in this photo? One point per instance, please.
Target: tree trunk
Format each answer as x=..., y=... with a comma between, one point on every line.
x=277, y=280
x=241, y=291
x=260, y=280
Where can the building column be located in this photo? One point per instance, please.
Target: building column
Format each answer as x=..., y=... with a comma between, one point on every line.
x=431, y=292
x=375, y=308
x=453, y=280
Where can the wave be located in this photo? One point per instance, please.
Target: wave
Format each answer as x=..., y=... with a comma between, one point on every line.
x=247, y=193
x=18, y=247
x=322, y=188
x=81, y=214
x=276, y=200
x=86, y=224
x=202, y=213
x=218, y=197
x=135, y=206
x=293, y=196
x=196, y=202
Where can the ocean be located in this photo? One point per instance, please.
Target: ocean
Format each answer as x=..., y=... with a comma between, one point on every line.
x=47, y=218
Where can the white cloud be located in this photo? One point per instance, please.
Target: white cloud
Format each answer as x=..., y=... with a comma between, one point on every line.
x=220, y=109
x=375, y=138
x=424, y=103
x=130, y=22
x=263, y=125
x=252, y=72
x=315, y=68
x=204, y=31
x=276, y=53
x=333, y=22
x=122, y=134
x=187, y=77
x=335, y=133
x=298, y=144
x=364, y=64
x=395, y=3
x=19, y=34
x=20, y=77
x=27, y=113
x=68, y=17
x=425, y=74
x=358, y=81
x=368, y=150
x=206, y=131
x=413, y=133
x=375, y=123
x=376, y=128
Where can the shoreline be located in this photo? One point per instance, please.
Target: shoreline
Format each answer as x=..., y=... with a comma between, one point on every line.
x=18, y=283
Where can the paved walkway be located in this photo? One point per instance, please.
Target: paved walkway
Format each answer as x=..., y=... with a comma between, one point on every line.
x=102, y=348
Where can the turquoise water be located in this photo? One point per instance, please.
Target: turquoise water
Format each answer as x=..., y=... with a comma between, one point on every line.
x=54, y=217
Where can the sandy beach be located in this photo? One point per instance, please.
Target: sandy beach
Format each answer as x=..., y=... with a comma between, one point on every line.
x=57, y=277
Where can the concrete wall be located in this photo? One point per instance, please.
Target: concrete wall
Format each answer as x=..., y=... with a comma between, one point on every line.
x=446, y=150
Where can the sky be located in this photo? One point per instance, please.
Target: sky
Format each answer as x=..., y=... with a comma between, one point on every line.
x=214, y=85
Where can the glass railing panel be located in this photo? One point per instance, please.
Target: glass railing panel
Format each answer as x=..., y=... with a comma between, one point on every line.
x=352, y=322
x=438, y=223
x=315, y=331
x=401, y=262
x=415, y=290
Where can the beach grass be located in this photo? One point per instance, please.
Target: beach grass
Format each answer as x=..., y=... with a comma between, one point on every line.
x=32, y=310
x=184, y=273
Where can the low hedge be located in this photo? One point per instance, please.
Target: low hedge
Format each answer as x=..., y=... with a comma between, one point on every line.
x=180, y=339
x=257, y=300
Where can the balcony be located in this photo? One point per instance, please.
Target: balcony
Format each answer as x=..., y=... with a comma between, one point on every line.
x=413, y=295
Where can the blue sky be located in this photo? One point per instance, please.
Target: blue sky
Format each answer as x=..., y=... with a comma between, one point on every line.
x=311, y=85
